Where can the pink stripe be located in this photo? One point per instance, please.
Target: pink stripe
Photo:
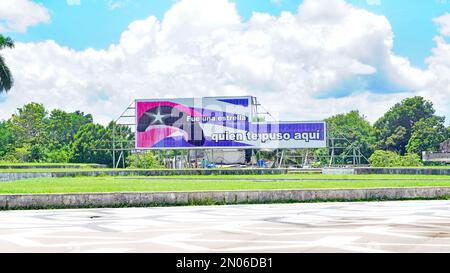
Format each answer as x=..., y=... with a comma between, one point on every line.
x=155, y=134
x=142, y=107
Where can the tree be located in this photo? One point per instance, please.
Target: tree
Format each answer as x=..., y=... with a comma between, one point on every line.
x=63, y=126
x=87, y=148
x=355, y=128
x=6, y=79
x=29, y=129
x=427, y=134
x=93, y=143
x=6, y=139
x=393, y=130
x=28, y=124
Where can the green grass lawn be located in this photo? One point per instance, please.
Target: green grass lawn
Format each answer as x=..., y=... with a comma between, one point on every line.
x=217, y=182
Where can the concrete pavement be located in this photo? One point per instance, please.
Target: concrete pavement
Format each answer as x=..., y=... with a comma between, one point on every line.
x=407, y=226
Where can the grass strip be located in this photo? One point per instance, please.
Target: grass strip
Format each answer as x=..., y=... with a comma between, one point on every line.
x=118, y=184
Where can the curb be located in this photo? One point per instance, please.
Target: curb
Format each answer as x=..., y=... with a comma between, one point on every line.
x=124, y=199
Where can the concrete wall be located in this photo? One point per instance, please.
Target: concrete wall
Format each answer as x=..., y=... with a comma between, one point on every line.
x=208, y=197
x=338, y=171
x=436, y=157
x=13, y=176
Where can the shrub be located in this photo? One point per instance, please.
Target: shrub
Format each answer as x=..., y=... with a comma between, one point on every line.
x=58, y=156
x=384, y=159
x=141, y=161
x=411, y=160
x=391, y=159
x=316, y=164
x=23, y=154
x=9, y=158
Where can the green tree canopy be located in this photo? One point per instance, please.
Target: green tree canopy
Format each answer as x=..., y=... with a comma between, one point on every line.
x=86, y=146
x=93, y=143
x=29, y=128
x=427, y=134
x=43, y=137
x=63, y=126
x=355, y=128
x=393, y=130
x=7, y=140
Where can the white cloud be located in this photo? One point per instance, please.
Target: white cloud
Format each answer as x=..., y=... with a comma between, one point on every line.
x=444, y=24
x=73, y=2
x=327, y=58
x=112, y=4
x=18, y=15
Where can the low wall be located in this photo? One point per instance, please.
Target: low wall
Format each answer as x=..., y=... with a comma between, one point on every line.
x=214, y=197
x=424, y=171
x=13, y=176
x=436, y=157
x=338, y=171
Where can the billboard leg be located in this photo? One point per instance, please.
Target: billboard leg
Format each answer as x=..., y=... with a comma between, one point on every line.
x=196, y=163
x=189, y=159
x=282, y=158
x=113, y=146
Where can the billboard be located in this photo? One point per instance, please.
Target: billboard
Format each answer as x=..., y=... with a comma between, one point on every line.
x=218, y=122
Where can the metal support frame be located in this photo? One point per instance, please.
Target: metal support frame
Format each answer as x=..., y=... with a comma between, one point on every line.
x=302, y=157
x=127, y=119
x=119, y=146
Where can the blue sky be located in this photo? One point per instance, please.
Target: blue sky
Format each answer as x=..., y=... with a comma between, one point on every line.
x=95, y=24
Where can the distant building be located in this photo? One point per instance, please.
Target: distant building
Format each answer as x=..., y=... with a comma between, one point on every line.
x=442, y=156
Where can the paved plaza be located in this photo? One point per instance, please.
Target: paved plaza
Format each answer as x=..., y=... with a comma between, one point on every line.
x=409, y=226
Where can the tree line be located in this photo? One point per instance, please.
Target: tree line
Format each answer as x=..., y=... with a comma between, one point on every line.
x=398, y=137
x=33, y=134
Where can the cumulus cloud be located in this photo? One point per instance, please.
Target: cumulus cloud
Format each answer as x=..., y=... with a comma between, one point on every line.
x=18, y=15
x=444, y=24
x=327, y=58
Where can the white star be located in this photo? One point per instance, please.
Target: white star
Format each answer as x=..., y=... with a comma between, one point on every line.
x=157, y=117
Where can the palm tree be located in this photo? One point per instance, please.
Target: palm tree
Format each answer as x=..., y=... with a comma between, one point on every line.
x=6, y=79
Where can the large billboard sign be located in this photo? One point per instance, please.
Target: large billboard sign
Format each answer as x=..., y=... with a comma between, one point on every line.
x=218, y=122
